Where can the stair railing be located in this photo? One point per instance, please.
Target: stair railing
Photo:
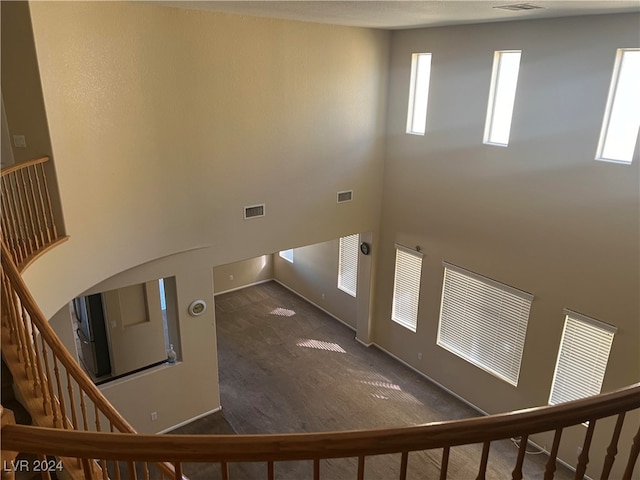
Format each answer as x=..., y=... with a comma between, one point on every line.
x=28, y=220
x=56, y=391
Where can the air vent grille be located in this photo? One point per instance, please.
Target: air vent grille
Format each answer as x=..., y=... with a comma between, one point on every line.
x=516, y=7
x=254, y=211
x=345, y=196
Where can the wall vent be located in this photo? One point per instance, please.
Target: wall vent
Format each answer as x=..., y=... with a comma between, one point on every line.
x=516, y=7
x=345, y=196
x=254, y=211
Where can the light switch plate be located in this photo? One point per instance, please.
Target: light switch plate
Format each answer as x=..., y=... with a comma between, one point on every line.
x=20, y=141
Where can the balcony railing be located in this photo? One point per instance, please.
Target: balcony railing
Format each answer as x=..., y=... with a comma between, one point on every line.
x=29, y=223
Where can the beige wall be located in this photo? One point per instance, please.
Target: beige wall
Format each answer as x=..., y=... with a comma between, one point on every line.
x=166, y=122
x=192, y=383
x=241, y=274
x=314, y=275
x=21, y=89
x=540, y=215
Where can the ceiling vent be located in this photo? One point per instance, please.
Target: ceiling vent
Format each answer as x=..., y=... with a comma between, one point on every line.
x=345, y=196
x=254, y=211
x=516, y=7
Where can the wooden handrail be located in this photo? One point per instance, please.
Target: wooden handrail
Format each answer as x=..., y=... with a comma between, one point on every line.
x=308, y=446
x=20, y=166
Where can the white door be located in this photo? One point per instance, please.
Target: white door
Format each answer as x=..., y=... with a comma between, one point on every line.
x=135, y=325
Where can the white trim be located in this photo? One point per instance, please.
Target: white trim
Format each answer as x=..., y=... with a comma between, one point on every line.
x=499, y=285
x=215, y=294
x=591, y=321
x=363, y=343
x=197, y=417
x=314, y=304
x=410, y=251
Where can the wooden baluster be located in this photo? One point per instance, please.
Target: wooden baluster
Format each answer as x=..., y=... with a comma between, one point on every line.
x=87, y=468
x=145, y=470
x=270, y=471
x=61, y=402
x=23, y=338
x=29, y=209
x=83, y=410
x=44, y=472
x=10, y=319
x=583, y=458
x=48, y=198
x=132, y=471
x=633, y=457
x=31, y=349
x=403, y=465
x=612, y=450
x=517, y=471
x=8, y=232
x=44, y=210
x=96, y=412
x=550, y=470
x=483, y=461
x=116, y=464
x=37, y=213
x=444, y=464
x=52, y=400
x=178, y=471
x=22, y=216
x=21, y=252
x=316, y=469
x=361, y=468
x=224, y=470
x=40, y=382
x=72, y=401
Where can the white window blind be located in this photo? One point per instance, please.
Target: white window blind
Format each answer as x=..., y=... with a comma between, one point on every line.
x=406, y=287
x=582, y=358
x=287, y=255
x=484, y=322
x=419, y=93
x=348, y=264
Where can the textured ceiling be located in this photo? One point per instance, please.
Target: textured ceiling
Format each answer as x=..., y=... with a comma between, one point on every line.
x=408, y=14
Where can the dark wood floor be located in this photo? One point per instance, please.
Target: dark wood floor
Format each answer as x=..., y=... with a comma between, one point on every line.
x=286, y=366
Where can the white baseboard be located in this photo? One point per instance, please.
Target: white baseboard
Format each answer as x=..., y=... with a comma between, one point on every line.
x=197, y=417
x=244, y=286
x=314, y=304
x=365, y=344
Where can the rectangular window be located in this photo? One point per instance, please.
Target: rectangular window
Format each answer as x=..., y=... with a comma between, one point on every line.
x=622, y=115
x=502, y=95
x=348, y=264
x=484, y=322
x=406, y=287
x=419, y=93
x=582, y=358
x=287, y=255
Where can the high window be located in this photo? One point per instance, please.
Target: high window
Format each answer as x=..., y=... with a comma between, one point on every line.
x=502, y=95
x=582, y=358
x=287, y=255
x=484, y=322
x=406, y=287
x=419, y=93
x=621, y=122
x=348, y=264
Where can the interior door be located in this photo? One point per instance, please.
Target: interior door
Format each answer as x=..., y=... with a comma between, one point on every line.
x=136, y=327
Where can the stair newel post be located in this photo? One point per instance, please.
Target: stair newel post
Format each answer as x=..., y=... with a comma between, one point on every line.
x=7, y=456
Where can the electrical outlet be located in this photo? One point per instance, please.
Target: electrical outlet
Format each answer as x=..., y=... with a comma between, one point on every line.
x=579, y=450
x=19, y=141
x=419, y=355
x=154, y=416
x=323, y=296
x=230, y=277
